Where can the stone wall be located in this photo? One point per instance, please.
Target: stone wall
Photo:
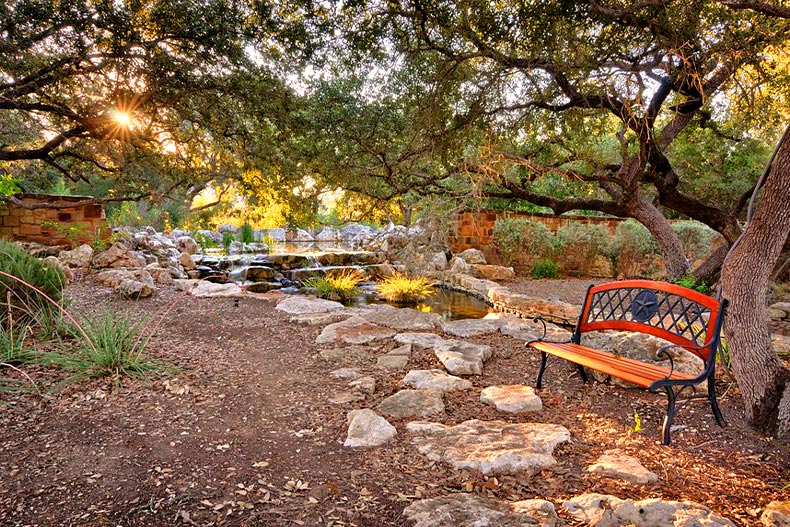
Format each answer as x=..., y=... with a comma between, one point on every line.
x=474, y=229
x=21, y=224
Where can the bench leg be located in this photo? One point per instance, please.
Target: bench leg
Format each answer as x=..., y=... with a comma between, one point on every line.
x=543, y=358
x=714, y=404
x=582, y=373
x=665, y=430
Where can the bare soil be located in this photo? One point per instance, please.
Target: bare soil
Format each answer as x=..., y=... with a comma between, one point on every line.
x=244, y=433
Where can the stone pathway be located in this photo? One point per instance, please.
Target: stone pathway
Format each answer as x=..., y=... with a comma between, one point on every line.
x=353, y=338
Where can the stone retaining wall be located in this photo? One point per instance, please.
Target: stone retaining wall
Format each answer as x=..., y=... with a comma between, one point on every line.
x=25, y=225
x=474, y=229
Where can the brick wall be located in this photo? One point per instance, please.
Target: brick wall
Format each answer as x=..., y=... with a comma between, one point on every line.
x=21, y=224
x=474, y=229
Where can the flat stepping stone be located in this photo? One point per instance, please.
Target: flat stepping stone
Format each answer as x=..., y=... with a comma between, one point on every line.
x=205, y=289
x=618, y=465
x=320, y=319
x=366, y=385
x=436, y=380
x=603, y=510
x=347, y=397
x=402, y=318
x=355, y=330
x=299, y=304
x=467, y=510
x=462, y=358
x=348, y=355
x=513, y=399
x=404, y=350
x=367, y=429
x=525, y=329
x=345, y=373
x=470, y=327
x=412, y=403
x=392, y=362
x=421, y=340
x=490, y=447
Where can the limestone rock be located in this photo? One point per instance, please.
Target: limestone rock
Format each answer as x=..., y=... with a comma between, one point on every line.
x=435, y=380
x=473, y=256
x=392, y=362
x=347, y=397
x=402, y=319
x=410, y=403
x=624, y=467
x=401, y=350
x=321, y=319
x=347, y=355
x=458, y=265
x=299, y=304
x=609, y=511
x=525, y=329
x=140, y=286
x=203, y=289
x=470, y=327
x=462, y=358
x=366, y=385
x=53, y=261
x=186, y=244
x=531, y=306
x=345, y=373
x=79, y=258
x=355, y=330
x=466, y=510
x=421, y=340
x=367, y=429
x=514, y=399
x=497, y=273
x=439, y=261
x=491, y=447
x=776, y=514
x=186, y=261
x=118, y=255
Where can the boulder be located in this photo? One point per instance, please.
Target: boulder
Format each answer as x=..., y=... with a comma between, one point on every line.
x=328, y=234
x=618, y=465
x=473, y=256
x=366, y=385
x=367, y=429
x=497, y=273
x=609, y=511
x=439, y=261
x=79, y=258
x=465, y=510
x=186, y=261
x=412, y=403
x=203, y=289
x=53, y=261
x=186, y=244
x=776, y=514
x=470, y=327
x=513, y=399
x=355, y=330
x=490, y=447
x=299, y=236
x=160, y=274
x=118, y=255
x=141, y=286
x=435, y=380
x=462, y=358
x=458, y=265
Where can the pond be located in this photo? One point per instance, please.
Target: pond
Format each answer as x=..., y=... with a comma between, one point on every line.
x=451, y=305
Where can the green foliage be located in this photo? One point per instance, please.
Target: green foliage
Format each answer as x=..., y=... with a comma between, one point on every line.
x=401, y=289
x=9, y=185
x=246, y=234
x=545, y=268
x=227, y=239
x=19, y=301
x=516, y=237
x=112, y=345
x=204, y=242
x=690, y=282
x=73, y=232
x=696, y=238
x=341, y=286
x=633, y=246
x=591, y=240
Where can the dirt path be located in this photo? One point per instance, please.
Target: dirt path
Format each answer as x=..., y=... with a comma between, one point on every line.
x=245, y=434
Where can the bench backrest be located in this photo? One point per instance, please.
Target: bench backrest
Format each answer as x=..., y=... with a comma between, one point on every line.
x=668, y=311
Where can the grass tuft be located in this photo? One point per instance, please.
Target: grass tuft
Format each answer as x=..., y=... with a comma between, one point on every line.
x=340, y=286
x=401, y=289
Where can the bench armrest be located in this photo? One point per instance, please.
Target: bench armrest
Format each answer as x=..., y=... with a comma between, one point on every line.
x=542, y=338
x=663, y=352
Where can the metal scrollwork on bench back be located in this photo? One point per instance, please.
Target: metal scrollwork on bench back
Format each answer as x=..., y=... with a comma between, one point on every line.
x=667, y=310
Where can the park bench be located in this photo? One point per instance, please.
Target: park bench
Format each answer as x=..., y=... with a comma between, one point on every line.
x=685, y=318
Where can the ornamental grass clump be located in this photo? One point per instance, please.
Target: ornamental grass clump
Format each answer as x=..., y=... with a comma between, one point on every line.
x=337, y=286
x=401, y=289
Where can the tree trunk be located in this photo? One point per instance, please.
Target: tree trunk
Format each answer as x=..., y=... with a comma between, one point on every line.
x=764, y=382
x=667, y=239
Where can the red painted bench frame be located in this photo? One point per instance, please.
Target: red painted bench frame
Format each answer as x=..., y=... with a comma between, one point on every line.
x=686, y=318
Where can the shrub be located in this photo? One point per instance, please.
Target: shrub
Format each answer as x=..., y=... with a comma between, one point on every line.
x=18, y=301
x=690, y=281
x=246, y=234
x=515, y=237
x=580, y=243
x=633, y=246
x=545, y=268
x=695, y=237
x=341, y=286
x=401, y=289
x=227, y=239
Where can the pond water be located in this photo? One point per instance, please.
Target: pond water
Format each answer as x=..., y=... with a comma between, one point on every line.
x=451, y=305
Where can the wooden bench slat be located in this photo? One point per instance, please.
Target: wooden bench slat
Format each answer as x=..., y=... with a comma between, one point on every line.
x=623, y=368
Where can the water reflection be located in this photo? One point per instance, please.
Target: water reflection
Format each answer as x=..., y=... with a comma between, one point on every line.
x=451, y=305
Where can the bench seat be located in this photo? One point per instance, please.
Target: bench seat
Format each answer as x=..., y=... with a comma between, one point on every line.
x=630, y=370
